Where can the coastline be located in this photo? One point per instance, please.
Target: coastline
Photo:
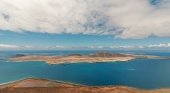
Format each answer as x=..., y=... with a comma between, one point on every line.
x=112, y=87
x=60, y=81
x=26, y=78
x=65, y=87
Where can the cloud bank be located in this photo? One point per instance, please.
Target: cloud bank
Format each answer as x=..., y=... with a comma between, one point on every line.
x=120, y=18
x=60, y=47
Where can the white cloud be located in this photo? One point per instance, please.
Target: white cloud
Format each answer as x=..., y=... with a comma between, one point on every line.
x=8, y=46
x=120, y=18
x=95, y=47
x=127, y=47
x=28, y=46
x=60, y=47
x=165, y=45
x=157, y=46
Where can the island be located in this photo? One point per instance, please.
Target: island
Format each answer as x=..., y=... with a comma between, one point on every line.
x=77, y=58
x=74, y=58
x=34, y=85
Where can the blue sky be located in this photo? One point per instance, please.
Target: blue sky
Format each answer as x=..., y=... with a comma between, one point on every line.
x=44, y=39
x=97, y=24
x=73, y=40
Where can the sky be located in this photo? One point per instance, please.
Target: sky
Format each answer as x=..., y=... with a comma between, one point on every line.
x=84, y=24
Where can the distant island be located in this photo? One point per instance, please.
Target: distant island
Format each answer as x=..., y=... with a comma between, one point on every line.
x=38, y=85
x=34, y=85
x=77, y=58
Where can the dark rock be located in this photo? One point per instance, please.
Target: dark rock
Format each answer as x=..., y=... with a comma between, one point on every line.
x=19, y=55
x=75, y=55
x=106, y=54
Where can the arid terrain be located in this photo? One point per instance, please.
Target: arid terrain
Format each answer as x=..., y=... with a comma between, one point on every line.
x=33, y=85
x=77, y=58
x=74, y=58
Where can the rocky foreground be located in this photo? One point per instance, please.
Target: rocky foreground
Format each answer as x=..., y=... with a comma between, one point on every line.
x=33, y=85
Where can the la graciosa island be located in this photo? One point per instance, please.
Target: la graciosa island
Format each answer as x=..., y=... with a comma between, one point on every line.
x=78, y=58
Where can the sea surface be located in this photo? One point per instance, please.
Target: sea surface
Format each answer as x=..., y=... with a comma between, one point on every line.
x=139, y=73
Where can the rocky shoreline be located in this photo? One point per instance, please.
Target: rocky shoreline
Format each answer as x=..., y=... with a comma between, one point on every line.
x=35, y=85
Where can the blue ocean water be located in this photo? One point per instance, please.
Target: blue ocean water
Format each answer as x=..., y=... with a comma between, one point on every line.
x=139, y=73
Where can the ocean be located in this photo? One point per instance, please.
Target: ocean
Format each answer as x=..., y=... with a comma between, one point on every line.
x=138, y=73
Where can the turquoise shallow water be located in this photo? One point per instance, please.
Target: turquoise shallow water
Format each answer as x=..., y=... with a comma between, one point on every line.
x=140, y=73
